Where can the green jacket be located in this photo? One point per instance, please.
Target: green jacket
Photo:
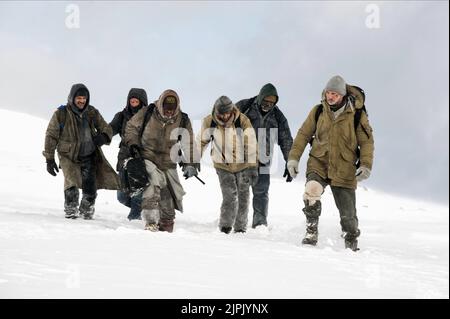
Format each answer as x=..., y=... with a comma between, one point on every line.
x=333, y=152
x=66, y=141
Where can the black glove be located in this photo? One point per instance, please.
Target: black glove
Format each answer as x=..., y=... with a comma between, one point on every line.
x=135, y=151
x=52, y=168
x=100, y=139
x=189, y=171
x=287, y=175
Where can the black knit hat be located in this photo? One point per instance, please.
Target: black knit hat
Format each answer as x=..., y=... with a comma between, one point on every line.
x=82, y=92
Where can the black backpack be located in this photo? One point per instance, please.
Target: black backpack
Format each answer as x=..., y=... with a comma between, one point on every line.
x=133, y=176
x=356, y=121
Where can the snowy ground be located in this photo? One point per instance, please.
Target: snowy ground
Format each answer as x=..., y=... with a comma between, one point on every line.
x=404, y=243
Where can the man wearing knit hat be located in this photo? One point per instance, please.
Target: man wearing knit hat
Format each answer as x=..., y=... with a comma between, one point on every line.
x=234, y=153
x=338, y=129
x=77, y=131
x=266, y=116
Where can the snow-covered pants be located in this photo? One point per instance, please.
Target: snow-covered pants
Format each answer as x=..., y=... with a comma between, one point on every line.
x=157, y=201
x=236, y=199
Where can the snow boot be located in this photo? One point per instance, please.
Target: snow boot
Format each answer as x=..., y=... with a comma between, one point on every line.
x=87, y=207
x=225, y=230
x=166, y=224
x=151, y=227
x=351, y=241
x=239, y=230
x=312, y=232
x=71, y=212
x=312, y=213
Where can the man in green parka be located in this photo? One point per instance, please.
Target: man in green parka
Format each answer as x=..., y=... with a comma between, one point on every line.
x=337, y=138
x=77, y=131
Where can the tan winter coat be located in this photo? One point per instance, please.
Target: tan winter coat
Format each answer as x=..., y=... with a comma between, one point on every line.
x=67, y=143
x=160, y=135
x=333, y=153
x=230, y=151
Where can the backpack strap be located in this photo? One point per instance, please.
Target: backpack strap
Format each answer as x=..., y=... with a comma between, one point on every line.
x=237, y=123
x=183, y=123
x=246, y=107
x=147, y=116
x=319, y=110
x=213, y=125
x=357, y=119
x=61, y=117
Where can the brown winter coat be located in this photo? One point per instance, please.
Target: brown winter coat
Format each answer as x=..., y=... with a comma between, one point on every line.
x=66, y=142
x=233, y=152
x=160, y=135
x=333, y=153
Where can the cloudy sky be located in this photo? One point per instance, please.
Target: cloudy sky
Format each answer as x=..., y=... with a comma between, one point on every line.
x=206, y=49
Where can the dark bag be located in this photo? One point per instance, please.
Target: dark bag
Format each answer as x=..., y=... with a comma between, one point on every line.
x=134, y=177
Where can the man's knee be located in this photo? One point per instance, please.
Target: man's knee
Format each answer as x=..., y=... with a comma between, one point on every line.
x=313, y=192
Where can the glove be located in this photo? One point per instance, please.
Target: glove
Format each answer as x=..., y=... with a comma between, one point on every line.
x=135, y=151
x=287, y=175
x=252, y=175
x=52, y=168
x=189, y=171
x=362, y=173
x=100, y=139
x=292, y=167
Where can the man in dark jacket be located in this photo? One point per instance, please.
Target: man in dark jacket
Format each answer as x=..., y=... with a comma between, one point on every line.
x=137, y=98
x=77, y=131
x=267, y=119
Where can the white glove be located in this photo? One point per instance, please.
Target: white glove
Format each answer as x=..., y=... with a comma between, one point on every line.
x=292, y=167
x=362, y=173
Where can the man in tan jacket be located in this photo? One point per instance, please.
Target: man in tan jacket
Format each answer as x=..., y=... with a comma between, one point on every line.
x=157, y=133
x=341, y=155
x=234, y=153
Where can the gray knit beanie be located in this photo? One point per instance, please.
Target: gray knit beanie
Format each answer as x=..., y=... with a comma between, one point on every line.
x=337, y=84
x=223, y=105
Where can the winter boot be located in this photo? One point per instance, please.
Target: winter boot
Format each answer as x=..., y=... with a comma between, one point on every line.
x=71, y=212
x=166, y=224
x=225, y=230
x=312, y=232
x=87, y=207
x=135, y=205
x=351, y=241
x=239, y=230
x=71, y=202
x=151, y=227
x=312, y=213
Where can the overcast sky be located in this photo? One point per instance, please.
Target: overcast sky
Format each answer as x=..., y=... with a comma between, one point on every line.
x=207, y=49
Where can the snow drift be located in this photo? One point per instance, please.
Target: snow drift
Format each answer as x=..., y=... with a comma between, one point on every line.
x=404, y=243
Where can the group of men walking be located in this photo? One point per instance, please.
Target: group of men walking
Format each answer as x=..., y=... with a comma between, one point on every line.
x=242, y=137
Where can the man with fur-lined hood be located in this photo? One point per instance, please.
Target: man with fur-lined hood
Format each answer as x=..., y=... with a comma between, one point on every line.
x=167, y=132
x=77, y=131
x=333, y=156
x=234, y=153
